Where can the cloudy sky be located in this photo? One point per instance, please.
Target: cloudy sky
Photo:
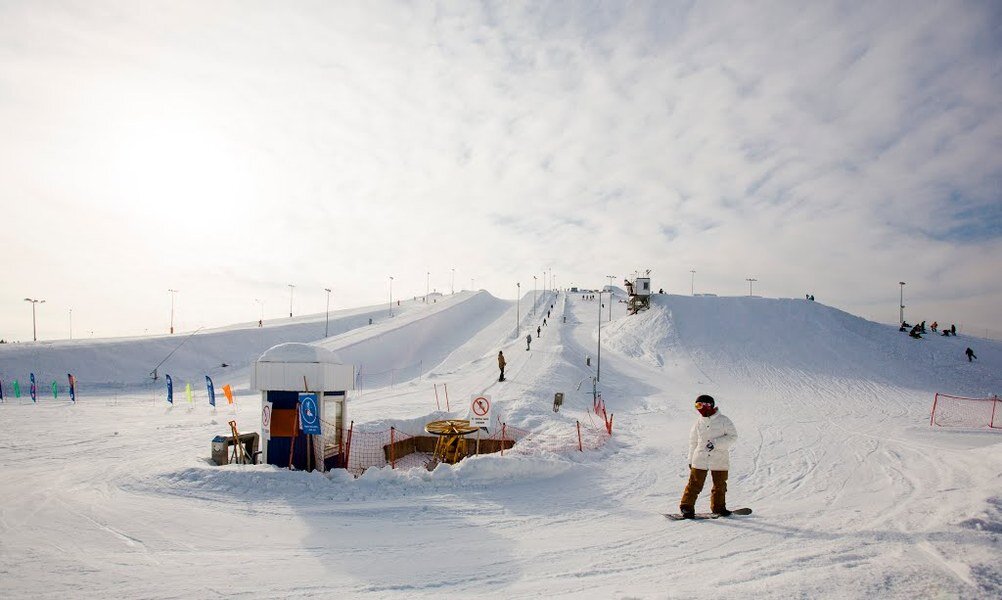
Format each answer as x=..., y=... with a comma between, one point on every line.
x=229, y=149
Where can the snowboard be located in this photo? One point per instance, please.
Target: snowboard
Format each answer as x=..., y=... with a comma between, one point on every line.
x=699, y=516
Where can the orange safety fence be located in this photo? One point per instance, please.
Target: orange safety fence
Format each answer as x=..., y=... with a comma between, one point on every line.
x=958, y=411
x=401, y=450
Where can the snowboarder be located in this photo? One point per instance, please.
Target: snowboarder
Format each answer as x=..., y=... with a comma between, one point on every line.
x=970, y=354
x=934, y=326
x=916, y=332
x=953, y=330
x=501, y=364
x=710, y=442
x=528, y=342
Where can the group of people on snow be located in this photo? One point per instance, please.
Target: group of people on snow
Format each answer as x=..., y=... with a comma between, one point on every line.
x=916, y=332
x=528, y=344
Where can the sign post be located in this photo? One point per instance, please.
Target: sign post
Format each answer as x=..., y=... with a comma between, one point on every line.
x=309, y=420
x=480, y=414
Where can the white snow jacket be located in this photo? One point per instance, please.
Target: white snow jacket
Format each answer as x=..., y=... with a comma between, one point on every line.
x=717, y=429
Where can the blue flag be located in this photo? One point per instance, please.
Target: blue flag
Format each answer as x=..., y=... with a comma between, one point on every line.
x=170, y=389
x=212, y=391
x=73, y=386
x=1, y=390
x=33, y=389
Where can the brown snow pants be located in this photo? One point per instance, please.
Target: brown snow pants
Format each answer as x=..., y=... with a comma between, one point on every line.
x=697, y=477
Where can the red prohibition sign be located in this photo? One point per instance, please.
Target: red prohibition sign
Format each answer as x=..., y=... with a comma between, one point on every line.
x=480, y=406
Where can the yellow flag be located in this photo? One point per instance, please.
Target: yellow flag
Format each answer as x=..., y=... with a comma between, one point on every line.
x=187, y=390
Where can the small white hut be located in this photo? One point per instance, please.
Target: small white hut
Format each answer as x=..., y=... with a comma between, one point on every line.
x=281, y=374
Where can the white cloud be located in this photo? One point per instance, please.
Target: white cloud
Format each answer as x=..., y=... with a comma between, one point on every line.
x=235, y=148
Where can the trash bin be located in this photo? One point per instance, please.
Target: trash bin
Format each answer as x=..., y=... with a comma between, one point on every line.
x=220, y=450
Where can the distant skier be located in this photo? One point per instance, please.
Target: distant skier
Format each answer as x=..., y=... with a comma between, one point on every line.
x=953, y=330
x=539, y=331
x=528, y=342
x=970, y=354
x=934, y=326
x=501, y=364
x=710, y=442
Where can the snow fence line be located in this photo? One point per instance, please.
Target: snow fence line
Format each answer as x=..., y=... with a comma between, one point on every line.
x=400, y=449
x=959, y=411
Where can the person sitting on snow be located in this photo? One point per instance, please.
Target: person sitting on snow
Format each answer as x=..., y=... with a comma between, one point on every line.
x=916, y=332
x=710, y=441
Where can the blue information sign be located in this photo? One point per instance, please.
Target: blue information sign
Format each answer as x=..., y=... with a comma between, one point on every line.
x=309, y=416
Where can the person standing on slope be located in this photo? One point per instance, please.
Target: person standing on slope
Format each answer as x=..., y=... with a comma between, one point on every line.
x=501, y=364
x=710, y=441
x=528, y=341
x=970, y=354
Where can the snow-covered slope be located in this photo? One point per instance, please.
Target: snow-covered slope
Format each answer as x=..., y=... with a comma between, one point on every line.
x=854, y=495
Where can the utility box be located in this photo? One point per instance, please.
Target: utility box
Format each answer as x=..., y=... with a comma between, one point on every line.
x=223, y=448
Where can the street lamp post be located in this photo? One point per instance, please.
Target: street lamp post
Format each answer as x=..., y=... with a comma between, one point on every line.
x=901, y=302
x=533, y=294
x=750, y=282
x=452, y=282
x=518, y=309
x=598, y=363
x=391, y=295
x=260, y=322
x=611, y=277
x=327, y=321
x=172, y=292
x=292, y=288
x=427, y=285
x=34, y=331
x=71, y=323
x=693, y=290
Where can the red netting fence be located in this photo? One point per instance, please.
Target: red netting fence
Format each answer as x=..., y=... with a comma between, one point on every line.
x=957, y=411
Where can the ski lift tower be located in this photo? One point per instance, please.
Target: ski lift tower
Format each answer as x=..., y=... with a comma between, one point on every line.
x=639, y=291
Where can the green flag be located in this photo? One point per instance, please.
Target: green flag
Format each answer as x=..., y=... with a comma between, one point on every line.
x=17, y=389
x=55, y=394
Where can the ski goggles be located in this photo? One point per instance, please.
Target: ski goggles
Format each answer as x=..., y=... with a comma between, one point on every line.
x=700, y=405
